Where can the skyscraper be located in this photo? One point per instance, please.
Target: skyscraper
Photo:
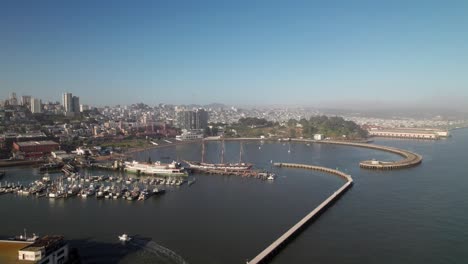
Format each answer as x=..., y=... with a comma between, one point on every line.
x=25, y=100
x=71, y=104
x=13, y=100
x=36, y=106
x=75, y=104
x=67, y=102
x=186, y=119
x=201, y=118
x=197, y=119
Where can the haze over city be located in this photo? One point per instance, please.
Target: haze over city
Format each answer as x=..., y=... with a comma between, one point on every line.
x=346, y=54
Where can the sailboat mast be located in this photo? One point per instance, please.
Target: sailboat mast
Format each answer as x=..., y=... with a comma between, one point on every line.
x=203, y=152
x=222, y=152
x=240, y=152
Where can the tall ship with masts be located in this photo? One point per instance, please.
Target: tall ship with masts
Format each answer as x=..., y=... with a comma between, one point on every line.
x=204, y=166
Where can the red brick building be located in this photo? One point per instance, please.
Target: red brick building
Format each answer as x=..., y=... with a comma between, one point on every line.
x=35, y=148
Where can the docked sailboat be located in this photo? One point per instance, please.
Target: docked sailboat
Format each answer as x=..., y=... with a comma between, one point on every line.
x=203, y=166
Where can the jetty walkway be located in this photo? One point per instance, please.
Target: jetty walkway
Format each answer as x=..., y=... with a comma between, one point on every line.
x=283, y=239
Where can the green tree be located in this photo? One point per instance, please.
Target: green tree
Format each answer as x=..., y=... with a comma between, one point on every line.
x=292, y=133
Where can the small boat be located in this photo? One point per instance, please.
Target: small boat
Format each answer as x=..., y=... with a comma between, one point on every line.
x=157, y=191
x=46, y=179
x=124, y=238
x=25, y=237
x=143, y=195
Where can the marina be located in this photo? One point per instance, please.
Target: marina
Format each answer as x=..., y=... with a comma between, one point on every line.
x=99, y=187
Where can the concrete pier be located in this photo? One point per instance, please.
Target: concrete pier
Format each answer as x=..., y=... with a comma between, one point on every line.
x=283, y=239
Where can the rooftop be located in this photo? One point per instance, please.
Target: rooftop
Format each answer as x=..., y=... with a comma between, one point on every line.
x=44, y=242
x=9, y=251
x=36, y=143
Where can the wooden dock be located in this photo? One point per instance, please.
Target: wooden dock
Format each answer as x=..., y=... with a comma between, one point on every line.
x=241, y=173
x=283, y=239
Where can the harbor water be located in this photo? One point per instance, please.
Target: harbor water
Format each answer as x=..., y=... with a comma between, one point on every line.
x=416, y=215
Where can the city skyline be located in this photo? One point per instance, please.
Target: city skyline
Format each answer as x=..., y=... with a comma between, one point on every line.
x=241, y=53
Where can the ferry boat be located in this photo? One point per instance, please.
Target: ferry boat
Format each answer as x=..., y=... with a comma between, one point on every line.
x=157, y=168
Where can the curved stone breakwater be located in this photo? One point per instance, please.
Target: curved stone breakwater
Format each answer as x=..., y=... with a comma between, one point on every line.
x=272, y=249
x=410, y=159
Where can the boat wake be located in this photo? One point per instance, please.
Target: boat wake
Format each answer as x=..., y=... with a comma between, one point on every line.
x=164, y=254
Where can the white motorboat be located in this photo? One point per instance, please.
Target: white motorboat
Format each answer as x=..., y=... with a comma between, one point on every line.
x=124, y=238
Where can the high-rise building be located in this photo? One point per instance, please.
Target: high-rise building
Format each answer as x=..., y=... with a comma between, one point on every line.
x=36, y=106
x=25, y=100
x=13, y=100
x=201, y=119
x=75, y=104
x=186, y=119
x=67, y=102
x=71, y=104
x=84, y=107
x=192, y=119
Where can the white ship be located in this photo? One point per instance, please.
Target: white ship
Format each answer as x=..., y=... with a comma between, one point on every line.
x=157, y=168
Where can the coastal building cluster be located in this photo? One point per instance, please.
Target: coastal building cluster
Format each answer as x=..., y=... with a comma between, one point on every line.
x=30, y=121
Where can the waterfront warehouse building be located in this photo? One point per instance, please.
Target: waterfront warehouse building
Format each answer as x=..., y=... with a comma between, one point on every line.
x=35, y=148
x=409, y=133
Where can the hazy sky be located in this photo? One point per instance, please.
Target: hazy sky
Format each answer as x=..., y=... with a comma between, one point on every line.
x=236, y=52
